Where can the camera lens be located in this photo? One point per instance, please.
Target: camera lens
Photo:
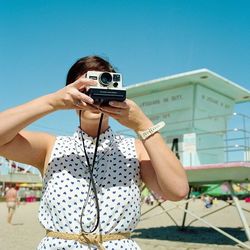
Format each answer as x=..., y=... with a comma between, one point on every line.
x=105, y=78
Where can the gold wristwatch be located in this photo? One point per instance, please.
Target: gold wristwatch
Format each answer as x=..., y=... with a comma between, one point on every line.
x=143, y=135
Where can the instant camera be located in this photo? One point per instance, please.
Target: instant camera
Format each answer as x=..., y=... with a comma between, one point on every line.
x=108, y=87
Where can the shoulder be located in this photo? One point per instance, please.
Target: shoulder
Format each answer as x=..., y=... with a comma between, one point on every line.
x=57, y=147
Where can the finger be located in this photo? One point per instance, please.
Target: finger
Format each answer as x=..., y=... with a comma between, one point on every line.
x=114, y=111
x=115, y=116
x=116, y=104
x=82, y=82
x=85, y=98
x=80, y=103
x=94, y=106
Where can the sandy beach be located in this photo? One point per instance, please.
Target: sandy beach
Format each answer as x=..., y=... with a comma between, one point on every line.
x=158, y=232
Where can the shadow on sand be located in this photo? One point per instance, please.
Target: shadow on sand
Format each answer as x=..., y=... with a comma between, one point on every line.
x=201, y=235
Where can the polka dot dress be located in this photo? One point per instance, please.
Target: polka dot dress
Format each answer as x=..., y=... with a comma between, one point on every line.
x=66, y=184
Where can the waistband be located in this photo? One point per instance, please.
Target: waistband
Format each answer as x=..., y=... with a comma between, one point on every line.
x=93, y=239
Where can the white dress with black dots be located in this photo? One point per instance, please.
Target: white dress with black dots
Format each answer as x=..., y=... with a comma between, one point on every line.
x=66, y=182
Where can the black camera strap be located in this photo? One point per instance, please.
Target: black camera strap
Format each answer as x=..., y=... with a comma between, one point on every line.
x=92, y=181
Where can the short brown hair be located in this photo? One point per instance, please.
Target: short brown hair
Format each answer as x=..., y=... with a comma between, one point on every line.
x=84, y=64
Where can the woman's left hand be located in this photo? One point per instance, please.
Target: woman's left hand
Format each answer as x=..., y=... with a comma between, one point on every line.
x=129, y=114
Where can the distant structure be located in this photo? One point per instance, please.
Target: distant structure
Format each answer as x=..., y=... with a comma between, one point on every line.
x=16, y=173
x=197, y=107
x=211, y=141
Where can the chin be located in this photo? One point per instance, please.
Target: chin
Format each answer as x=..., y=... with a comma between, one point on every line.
x=92, y=114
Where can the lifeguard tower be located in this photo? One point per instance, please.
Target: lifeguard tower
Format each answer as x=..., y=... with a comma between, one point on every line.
x=201, y=126
x=196, y=107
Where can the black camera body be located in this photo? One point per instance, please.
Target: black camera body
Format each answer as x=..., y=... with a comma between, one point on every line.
x=108, y=87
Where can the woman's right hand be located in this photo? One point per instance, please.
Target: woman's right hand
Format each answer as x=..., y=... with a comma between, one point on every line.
x=72, y=96
x=32, y=147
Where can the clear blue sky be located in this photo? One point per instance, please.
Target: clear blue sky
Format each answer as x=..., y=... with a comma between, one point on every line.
x=145, y=40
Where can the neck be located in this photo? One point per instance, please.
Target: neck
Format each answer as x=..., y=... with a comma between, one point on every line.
x=90, y=127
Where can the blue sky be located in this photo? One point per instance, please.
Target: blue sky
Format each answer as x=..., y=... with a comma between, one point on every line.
x=145, y=40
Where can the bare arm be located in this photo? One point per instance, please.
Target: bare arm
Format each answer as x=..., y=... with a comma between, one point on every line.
x=15, y=119
x=31, y=147
x=160, y=169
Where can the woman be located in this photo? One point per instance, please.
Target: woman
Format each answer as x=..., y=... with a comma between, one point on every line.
x=91, y=196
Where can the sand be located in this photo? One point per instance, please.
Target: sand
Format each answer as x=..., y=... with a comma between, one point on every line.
x=158, y=232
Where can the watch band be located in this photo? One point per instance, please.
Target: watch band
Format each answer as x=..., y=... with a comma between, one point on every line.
x=143, y=135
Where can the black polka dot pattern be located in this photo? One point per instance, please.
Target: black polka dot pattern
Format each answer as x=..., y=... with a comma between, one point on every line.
x=66, y=183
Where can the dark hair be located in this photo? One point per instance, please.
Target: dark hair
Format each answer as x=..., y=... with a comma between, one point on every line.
x=84, y=64
x=12, y=185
